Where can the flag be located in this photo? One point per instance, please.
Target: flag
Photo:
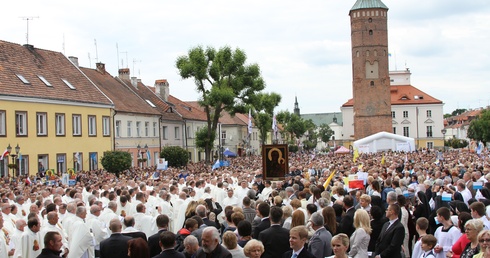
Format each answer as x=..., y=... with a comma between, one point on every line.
x=327, y=183
x=77, y=157
x=249, y=121
x=5, y=154
x=93, y=156
x=356, y=155
x=274, y=124
x=20, y=162
x=28, y=181
x=389, y=54
x=216, y=165
x=383, y=160
x=148, y=156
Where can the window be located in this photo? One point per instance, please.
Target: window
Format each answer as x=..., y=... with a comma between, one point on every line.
x=429, y=131
x=77, y=161
x=106, y=126
x=370, y=32
x=45, y=81
x=188, y=132
x=23, y=79
x=429, y=113
x=394, y=130
x=138, y=128
x=21, y=123
x=23, y=164
x=430, y=145
x=93, y=162
x=150, y=103
x=3, y=123
x=406, y=131
x=92, y=126
x=155, y=129
x=405, y=114
x=130, y=125
x=61, y=163
x=41, y=120
x=77, y=125
x=177, y=132
x=371, y=83
x=60, y=124
x=165, y=132
x=68, y=84
x=118, y=128
x=147, y=129
x=393, y=115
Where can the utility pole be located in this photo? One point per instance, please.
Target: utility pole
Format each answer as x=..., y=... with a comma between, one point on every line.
x=27, y=19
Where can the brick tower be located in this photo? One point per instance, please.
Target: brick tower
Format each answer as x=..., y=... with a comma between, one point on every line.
x=370, y=72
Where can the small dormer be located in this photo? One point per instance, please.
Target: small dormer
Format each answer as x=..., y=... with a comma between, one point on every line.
x=404, y=97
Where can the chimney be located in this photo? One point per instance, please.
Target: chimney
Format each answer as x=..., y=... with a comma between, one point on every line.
x=74, y=60
x=30, y=47
x=162, y=89
x=100, y=67
x=134, y=82
x=124, y=73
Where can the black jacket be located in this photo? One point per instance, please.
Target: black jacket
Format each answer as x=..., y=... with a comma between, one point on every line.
x=48, y=253
x=116, y=246
x=154, y=243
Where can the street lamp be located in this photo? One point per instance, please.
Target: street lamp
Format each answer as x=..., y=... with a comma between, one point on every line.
x=17, y=150
x=443, y=131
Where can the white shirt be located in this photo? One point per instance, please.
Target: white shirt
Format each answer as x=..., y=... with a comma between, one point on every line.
x=82, y=241
x=446, y=239
x=30, y=244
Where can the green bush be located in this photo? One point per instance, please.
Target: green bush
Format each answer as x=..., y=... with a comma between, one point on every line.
x=175, y=155
x=293, y=148
x=116, y=161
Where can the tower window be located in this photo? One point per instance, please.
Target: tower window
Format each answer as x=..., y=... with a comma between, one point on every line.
x=371, y=83
x=370, y=20
x=367, y=53
x=375, y=53
x=370, y=32
x=357, y=54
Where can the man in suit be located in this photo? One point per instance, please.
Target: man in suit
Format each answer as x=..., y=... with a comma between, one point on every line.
x=390, y=240
x=130, y=230
x=265, y=223
x=275, y=238
x=319, y=245
x=347, y=221
x=297, y=240
x=154, y=240
x=117, y=244
x=167, y=242
x=201, y=212
x=210, y=245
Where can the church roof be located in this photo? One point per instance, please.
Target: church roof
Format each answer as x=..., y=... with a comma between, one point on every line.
x=323, y=118
x=366, y=4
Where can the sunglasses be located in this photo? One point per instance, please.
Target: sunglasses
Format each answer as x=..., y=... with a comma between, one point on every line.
x=487, y=240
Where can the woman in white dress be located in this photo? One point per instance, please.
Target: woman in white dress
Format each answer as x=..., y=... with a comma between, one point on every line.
x=359, y=241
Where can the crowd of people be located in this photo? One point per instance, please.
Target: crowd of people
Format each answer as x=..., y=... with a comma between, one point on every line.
x=425, y=203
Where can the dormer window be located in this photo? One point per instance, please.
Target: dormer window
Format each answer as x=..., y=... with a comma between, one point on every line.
x=24, y=80
x=68, y=84
x=45, y=81
x=150, y=103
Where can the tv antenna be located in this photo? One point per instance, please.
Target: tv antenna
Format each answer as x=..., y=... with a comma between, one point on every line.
x=122, y=60
x=136, y=61
x=27, y=19
x=96, y=52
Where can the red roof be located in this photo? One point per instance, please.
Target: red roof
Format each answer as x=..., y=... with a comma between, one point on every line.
x=33, y=64
x=405, y=95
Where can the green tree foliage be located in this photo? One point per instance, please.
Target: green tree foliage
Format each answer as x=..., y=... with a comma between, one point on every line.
x=224, y=82
x=325, y=133
x=204, y=139
x=264, y=104
x=116, y=161
x=456, y=143
x=458, y=111
x=480, y=127
x=295, y=126
x=175, y=155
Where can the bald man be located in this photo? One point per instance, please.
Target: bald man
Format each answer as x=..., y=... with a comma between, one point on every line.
x=117, y=244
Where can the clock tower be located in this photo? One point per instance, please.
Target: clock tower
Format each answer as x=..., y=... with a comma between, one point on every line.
x=370, y=72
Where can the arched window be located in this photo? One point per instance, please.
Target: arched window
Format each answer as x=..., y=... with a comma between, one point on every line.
x=370, y=32
x=367, y=53
x=371, y=83
x=370, y=20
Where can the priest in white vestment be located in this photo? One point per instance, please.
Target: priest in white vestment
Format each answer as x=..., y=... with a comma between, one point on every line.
x=81, y=241
x=31, y=240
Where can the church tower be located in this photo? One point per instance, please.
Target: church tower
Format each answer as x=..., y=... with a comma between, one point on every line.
x=371, y=81
x=296, y=106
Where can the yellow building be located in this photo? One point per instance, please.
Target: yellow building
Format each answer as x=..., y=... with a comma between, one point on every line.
x=52, y=111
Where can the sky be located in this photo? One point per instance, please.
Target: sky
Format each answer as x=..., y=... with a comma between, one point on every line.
x=302, y=47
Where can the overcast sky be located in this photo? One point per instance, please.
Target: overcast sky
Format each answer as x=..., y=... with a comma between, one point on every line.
x=302, y=47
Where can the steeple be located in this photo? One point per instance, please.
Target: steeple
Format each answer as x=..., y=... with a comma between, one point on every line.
x=367, y=4
x=296, y=106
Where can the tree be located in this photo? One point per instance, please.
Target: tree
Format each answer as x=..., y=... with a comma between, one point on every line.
x=325, y=133
x=223, y=81
x=204, y=139
x=264, y=104
x=116, y=161
x=480, y=127
x=175, y=155
x=458, y=111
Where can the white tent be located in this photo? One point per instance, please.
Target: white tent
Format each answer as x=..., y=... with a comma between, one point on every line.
x=384, y=141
